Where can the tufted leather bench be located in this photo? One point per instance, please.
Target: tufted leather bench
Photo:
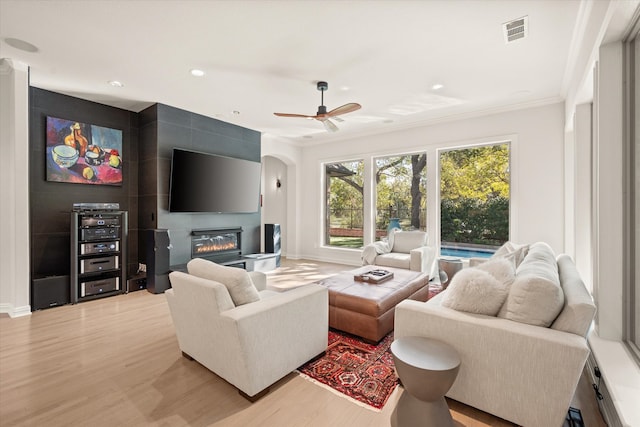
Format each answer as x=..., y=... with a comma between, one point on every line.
x=367, y=310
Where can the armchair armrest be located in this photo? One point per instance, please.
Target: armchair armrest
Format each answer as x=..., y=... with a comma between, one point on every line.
x=423, y=259
x=265, y=329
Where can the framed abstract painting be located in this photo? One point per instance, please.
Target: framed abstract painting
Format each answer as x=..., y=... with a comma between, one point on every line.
x=82, y=153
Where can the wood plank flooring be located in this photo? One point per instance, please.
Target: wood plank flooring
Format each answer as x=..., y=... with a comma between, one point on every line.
x=116, y=362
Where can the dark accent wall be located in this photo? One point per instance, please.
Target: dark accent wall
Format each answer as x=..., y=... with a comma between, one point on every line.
x=51, y=202
x=148, y=139
x=163, y=128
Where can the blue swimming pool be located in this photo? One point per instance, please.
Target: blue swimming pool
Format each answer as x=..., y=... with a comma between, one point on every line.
x=464, y=253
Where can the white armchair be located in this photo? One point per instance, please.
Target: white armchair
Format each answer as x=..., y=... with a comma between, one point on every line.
x=249, y=342
x=404, y=249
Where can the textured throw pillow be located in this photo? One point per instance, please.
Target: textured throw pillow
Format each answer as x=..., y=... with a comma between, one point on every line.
x=475, y=291
x=502, y=269
x=236, y=280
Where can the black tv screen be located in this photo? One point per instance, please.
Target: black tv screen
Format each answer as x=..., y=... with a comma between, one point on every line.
x=210, y=183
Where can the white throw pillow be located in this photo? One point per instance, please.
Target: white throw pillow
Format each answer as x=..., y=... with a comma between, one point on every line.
x=513, y=251
x=534, y=300
x=535, y=297
x=502, y=269
x=236, y=280
x=475, y=291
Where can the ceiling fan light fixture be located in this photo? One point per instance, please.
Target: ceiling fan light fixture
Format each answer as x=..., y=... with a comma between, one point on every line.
x=323, y=115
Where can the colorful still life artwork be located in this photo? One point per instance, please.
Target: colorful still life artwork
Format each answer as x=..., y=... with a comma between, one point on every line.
x=82, y=153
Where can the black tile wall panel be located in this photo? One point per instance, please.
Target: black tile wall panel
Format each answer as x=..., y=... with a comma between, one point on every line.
x=148, y=141
x=51, y=202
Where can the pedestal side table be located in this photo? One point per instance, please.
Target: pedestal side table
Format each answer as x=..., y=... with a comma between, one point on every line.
x=427, y=369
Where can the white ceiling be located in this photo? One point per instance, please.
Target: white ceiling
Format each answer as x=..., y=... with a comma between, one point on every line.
x=262, y=57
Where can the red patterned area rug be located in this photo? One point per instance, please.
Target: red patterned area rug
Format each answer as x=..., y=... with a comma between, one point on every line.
x=361, y=371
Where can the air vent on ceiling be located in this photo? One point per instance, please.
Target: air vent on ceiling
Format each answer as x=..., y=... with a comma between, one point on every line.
x=516, y=29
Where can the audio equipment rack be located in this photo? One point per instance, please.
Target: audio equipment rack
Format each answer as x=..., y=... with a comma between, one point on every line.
x=98, y=251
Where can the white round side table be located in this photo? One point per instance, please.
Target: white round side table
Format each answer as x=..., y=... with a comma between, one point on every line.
x=427, y=369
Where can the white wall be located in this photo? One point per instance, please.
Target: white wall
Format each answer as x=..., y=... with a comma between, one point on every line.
x=537, y=171
x=274, y=198
x=289, y=215
x=14, y=188
x=582, y=220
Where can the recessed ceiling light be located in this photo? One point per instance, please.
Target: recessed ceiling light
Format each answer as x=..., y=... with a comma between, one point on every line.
x=197, y=73
x=344, y=88
x=116, y=83
x=437, y=86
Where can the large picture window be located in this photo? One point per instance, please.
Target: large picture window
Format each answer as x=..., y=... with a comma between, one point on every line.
x=344, y=204
x=472, y=194
x=400, y=193
x=474, y=200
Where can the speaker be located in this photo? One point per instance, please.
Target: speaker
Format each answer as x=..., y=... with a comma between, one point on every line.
x=272, y=240
x=51, y=292
x=158, y=248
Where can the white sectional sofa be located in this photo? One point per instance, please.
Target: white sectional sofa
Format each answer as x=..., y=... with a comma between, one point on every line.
x=521, y=334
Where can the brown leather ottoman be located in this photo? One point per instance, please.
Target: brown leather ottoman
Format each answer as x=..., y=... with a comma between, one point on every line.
x=367, y=310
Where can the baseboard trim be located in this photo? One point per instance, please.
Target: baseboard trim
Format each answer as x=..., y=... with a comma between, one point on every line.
x=12, y=311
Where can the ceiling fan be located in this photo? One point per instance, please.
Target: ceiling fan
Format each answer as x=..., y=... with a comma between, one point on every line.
x=322, y=114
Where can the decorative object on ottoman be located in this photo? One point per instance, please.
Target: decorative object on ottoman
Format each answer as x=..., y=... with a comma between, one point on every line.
x=427, y=369
x=367, y=310
x=356, y=369
x=374, y=276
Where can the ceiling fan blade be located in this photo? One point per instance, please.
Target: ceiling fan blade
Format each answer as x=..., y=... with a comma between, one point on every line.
x=329, y=125
x=344, y=109
x=295, y=115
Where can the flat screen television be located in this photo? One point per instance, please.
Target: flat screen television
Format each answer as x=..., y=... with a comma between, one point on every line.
x=203, y=182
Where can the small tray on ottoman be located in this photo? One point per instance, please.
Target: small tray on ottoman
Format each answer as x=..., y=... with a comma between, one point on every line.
x=374, y=276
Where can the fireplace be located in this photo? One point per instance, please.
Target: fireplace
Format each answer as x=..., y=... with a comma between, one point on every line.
x=217, y=244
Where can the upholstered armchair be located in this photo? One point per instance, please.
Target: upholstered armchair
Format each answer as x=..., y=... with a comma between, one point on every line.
x=250, y=336
x=404, y=249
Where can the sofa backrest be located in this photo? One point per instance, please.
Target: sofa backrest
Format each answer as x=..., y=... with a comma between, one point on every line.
x=579, y=309
x=405, y=241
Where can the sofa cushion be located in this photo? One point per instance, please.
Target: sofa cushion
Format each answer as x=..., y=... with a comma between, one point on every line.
x=393, y=259
x=535, y=297
x=236, y=280
x=513, y=251
x=475, y=291
x=579, y=309
x=404, y=241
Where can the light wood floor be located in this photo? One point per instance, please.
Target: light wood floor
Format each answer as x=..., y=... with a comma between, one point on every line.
x=116, y=362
